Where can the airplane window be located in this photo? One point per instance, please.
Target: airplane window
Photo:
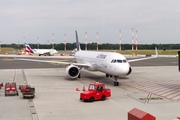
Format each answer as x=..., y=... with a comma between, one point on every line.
x=112, y=61
x=119, y=61
x=124, y=61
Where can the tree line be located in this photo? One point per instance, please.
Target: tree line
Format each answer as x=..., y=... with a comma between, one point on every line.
x=93, y=46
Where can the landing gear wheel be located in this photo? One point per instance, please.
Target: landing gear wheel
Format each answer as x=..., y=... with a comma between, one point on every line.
x=116, y=83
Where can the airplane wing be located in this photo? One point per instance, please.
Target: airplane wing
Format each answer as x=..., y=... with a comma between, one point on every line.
x=56, y=62
x=146, y=58
x=46, y=61
x=82, y=64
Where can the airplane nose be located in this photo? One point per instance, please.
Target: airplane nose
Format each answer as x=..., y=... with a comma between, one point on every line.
x=121, y=69
x=125, y=69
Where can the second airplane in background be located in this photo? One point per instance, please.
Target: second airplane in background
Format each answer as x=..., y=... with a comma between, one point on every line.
x=40, y=52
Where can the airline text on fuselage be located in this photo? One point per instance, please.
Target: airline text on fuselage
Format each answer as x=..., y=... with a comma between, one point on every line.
x=101, y=56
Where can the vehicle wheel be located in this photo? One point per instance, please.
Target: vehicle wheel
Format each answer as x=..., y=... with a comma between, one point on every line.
x=5, y=94
x=91, y=99
x=103, y=97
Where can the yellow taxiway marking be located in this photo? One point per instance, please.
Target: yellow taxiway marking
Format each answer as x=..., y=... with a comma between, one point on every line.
x=7, y=59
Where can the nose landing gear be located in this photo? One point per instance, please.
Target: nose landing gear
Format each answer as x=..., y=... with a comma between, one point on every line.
x=116, y=83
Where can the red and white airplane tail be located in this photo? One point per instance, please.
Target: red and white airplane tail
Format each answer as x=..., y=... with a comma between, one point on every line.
x=28, y=48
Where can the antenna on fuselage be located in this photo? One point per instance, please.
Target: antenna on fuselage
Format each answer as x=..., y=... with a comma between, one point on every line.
x=77, y=42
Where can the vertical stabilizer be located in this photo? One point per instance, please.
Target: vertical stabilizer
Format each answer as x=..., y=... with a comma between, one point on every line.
x=28, y=48
x=77, y=42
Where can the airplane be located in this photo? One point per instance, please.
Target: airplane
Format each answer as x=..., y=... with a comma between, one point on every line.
x=111, y=63
x=45, y=52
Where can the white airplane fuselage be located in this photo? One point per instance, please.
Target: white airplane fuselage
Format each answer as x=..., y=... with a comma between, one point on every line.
x=103, y=62
x=45, y=51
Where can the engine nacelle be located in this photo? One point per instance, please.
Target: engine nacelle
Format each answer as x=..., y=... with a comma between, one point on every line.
x=72, y=71
x=130, y=70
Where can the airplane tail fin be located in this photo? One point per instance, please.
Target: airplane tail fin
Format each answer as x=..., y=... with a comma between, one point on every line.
x=77, y=42
x=28, y=48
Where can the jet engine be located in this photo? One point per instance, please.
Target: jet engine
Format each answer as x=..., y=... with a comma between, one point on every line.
x=72, y=71
x=130, y=70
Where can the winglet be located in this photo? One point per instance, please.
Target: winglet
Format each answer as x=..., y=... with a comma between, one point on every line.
x=77, y=42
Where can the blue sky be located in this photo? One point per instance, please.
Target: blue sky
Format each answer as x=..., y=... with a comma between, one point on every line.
x=157, y=21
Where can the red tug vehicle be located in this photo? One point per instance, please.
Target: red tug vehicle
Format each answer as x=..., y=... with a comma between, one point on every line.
x=27, y=91
x=96, y=91
x=10, y=89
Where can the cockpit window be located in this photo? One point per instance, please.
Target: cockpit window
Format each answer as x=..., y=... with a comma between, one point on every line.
x=112, y=61
x=124, y=61
x=119, y=61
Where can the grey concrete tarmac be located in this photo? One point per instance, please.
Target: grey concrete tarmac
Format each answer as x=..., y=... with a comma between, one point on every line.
x=56, y=96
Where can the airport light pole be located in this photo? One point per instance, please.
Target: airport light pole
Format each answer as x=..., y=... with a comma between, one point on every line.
x=52, y=40
x=86, y=41
x=18, y=46
x=97, y=41
x=136, y=43
x=120, y=41
x=64, y=43
x=132, y=41
x=38, y=43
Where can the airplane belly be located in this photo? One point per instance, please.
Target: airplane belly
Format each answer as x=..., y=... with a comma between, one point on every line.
x=102, y=67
